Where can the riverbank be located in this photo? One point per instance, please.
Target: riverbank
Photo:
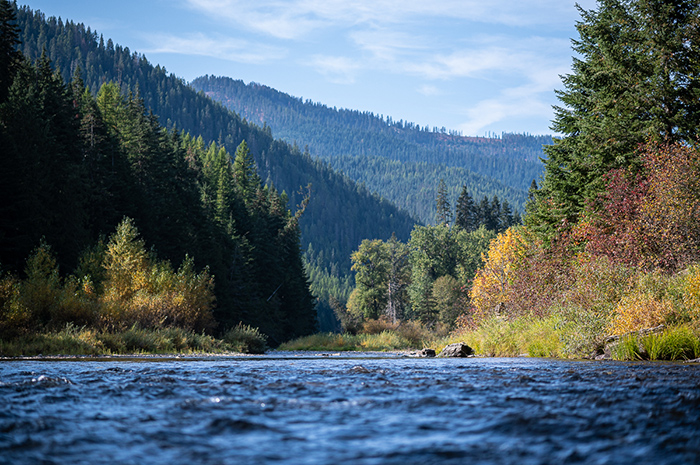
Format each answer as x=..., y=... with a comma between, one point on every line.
x=495, y=337
x=532, y=337
x=85, y=341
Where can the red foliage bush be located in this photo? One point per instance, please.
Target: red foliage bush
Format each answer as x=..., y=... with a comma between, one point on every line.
x=649, y=219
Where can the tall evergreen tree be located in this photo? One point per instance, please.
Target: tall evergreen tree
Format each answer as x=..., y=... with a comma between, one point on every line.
x=636, y=79
x=443, y=208
x=10, y=58
x=245, y=173
x=466, y=214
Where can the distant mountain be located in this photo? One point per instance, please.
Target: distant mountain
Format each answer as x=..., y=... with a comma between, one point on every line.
x=340, y=214
x=506, y=165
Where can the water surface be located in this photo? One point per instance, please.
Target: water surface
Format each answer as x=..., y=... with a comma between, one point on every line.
x=290, y=409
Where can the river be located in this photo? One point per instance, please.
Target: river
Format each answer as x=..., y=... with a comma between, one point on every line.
x=288, y=408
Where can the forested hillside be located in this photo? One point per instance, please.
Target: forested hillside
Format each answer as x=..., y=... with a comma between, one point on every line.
x=79, y=167
x=413, y=186
x=507, y=164
x=340, y=213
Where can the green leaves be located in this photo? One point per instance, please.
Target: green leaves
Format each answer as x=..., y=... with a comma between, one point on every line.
x=635, y=80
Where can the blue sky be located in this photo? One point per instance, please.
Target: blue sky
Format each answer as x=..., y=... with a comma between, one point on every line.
x=477, y=66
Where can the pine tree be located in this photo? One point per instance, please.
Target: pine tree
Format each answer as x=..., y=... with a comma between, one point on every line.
x=443, y=208
x=636, y=79
x=466, y=211
x=246, y=174
x=10, y=58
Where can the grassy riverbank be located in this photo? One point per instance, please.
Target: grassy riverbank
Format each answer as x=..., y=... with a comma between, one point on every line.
x=73, y=340
x=499, y=337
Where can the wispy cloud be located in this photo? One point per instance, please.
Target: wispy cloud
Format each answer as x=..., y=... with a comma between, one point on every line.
x=216, y=46
x=295, y=18
x=446, y=42
x=429, y=90
x=339, y=70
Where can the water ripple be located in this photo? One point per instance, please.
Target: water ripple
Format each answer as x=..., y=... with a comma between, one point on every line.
x=374, y=410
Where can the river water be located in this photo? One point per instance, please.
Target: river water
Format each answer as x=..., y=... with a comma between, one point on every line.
x=353, y=409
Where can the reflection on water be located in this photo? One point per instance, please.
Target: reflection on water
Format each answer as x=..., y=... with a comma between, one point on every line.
x=330, y=410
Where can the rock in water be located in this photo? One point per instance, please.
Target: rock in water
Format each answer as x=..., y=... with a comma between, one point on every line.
x=458, y=349
x=423, y=353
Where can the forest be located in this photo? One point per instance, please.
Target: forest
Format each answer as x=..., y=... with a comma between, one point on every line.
x=607, y=261
x=339, y=214
x=111, y=221
x=132, y=201
x=370, y=148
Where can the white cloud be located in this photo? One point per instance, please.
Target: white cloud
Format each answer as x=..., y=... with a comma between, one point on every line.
x=507, y=48
x=339, y=70
x=294, y=19
x=518, y=102
x=225, y=48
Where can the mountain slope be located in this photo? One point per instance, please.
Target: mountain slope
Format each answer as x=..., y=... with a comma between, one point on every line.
x=340, y=214
x=506, y=165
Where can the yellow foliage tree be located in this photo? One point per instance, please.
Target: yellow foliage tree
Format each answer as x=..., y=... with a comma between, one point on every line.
x=489, y=288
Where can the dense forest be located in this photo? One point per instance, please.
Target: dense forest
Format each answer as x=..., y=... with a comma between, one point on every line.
x=79, y=167
x=512, y=159
x=352, y=140
x=412, y=186
x=607, y=262
x=339, y=215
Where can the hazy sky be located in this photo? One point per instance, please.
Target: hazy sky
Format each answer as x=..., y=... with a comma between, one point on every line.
x=477, y=66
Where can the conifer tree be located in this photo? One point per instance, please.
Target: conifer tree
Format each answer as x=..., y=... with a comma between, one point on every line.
x=466, y=211
x=443, y=208
x=10, y=58
x=636, y=79
x=245, y=172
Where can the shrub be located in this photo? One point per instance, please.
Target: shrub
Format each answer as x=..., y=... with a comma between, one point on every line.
x=246, y=339
x=377, y=326
x=15, y=318
x=40, y=291
x=489, y=288
x=415, y=333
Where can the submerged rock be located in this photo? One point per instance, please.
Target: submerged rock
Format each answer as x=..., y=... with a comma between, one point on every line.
x=423, y=353
x=458, y=349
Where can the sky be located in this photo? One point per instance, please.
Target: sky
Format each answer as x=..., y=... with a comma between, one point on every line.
x=481, y=67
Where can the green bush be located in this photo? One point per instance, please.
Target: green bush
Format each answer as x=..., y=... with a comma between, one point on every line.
x=246, y=339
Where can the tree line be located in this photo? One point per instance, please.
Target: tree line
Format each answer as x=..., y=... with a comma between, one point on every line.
x=78, y=167
x=428, y=277
x=512, y=159
x=340, y=213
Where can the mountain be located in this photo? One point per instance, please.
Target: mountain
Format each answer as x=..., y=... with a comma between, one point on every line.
x=504, y=166
x=340, y=213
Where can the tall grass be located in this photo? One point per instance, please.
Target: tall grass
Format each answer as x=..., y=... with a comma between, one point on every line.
x=678, y=343
x=73, y=340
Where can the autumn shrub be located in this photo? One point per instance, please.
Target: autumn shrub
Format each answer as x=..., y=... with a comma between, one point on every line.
x=15, y=318
x=378, y=326
x=490, y=287
x=140, y=290
x=647, y=305
x=246, y=339
x=650, y=218
x=687, y=288
x=415, y=333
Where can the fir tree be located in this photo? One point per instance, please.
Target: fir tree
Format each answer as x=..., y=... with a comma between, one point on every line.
x=635, y=80
x=443, y=213
x=466, y=217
